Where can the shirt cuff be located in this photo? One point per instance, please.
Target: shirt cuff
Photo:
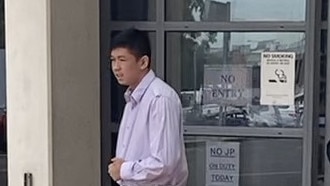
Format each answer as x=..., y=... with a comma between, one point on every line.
x=126, y=170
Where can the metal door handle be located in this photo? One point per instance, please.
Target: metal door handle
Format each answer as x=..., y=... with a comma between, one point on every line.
x=27, y=179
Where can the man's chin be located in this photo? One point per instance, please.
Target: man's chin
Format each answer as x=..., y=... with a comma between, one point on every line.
x=121, y=82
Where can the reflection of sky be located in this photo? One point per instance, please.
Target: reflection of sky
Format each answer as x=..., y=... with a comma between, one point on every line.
x=253, y=38
x=262, y=10
x=242, y=10
x=267, y=9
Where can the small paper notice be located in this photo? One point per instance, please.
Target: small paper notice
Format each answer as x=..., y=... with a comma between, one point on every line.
x=277, y=78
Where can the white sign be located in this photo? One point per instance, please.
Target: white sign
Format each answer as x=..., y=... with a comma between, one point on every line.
x=227, y=85
x=222, y=164
x=277, y=78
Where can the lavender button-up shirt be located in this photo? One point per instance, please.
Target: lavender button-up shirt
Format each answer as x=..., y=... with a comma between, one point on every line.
x=150, y=137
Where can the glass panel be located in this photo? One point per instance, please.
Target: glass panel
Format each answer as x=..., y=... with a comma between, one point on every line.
x=322, y=135
x=3, y=123
x=117, y=91
x=3, y=114
x=324, y=10
x=244, y=161
x=235, y=10
x=323, y=73
x=218, y=77
x=132, y=10
x=3, y=149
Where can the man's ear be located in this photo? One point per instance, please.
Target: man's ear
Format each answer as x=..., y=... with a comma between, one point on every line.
x=144, y=62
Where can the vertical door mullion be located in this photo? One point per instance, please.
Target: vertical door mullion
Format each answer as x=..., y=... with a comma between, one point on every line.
x=327, y=112
x=160, y=39
x=104, y=13
x=311, y=91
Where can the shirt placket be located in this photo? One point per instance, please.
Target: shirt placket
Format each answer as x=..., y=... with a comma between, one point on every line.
x=129, y=126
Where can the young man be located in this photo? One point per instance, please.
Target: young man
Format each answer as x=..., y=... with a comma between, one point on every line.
x=150, y=147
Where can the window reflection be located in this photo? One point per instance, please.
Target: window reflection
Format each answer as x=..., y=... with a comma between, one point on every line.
x=235, y=10
x=218, y=77
x=324, y=10
x=132, y=10
x=263, y=161
x=323, y=72
x=3, y=104
x=3, y=113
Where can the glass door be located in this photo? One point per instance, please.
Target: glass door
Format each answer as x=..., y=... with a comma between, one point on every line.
x=213, y=53
x=3, y=123
x=325, y=153
x=327, y=156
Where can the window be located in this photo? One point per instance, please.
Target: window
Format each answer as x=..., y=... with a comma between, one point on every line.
x=132, y=10
x=3, y=123
x=235, y=10
x=198, y=39
x=196, y=59
x=262, y=161
x=3, y=104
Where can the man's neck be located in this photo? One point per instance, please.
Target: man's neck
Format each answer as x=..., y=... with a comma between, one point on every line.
x=132, y=88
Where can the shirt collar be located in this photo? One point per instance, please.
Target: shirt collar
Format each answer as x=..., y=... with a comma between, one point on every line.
x=136, y=95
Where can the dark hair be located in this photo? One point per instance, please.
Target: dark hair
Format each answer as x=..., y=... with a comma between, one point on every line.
x=134, y=40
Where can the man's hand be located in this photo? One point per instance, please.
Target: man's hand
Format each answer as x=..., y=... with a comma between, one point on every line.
x=114, y=168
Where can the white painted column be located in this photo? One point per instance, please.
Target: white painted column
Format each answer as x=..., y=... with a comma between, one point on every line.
x=53, y=89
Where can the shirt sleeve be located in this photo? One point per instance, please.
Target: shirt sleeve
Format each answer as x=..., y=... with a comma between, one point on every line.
x=165, y=143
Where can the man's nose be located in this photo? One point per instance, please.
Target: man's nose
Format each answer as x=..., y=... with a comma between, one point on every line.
x=115, y=66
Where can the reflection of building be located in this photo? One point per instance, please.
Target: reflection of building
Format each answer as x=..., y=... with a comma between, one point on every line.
x=249, y=54
x=138, y=10
x=216, y=11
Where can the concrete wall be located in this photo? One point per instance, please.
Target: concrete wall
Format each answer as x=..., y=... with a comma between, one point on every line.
x=52, y=49
x=76, y=91
x=28, y=90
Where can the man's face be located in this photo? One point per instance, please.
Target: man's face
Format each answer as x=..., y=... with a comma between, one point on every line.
x=126, y=67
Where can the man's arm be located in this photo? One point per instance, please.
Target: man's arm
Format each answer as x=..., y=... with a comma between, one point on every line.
x=165, y=143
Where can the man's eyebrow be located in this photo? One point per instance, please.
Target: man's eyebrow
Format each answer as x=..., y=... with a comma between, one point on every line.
x=120, y=57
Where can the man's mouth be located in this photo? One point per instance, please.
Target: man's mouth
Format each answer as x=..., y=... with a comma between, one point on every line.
x=118, y=76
